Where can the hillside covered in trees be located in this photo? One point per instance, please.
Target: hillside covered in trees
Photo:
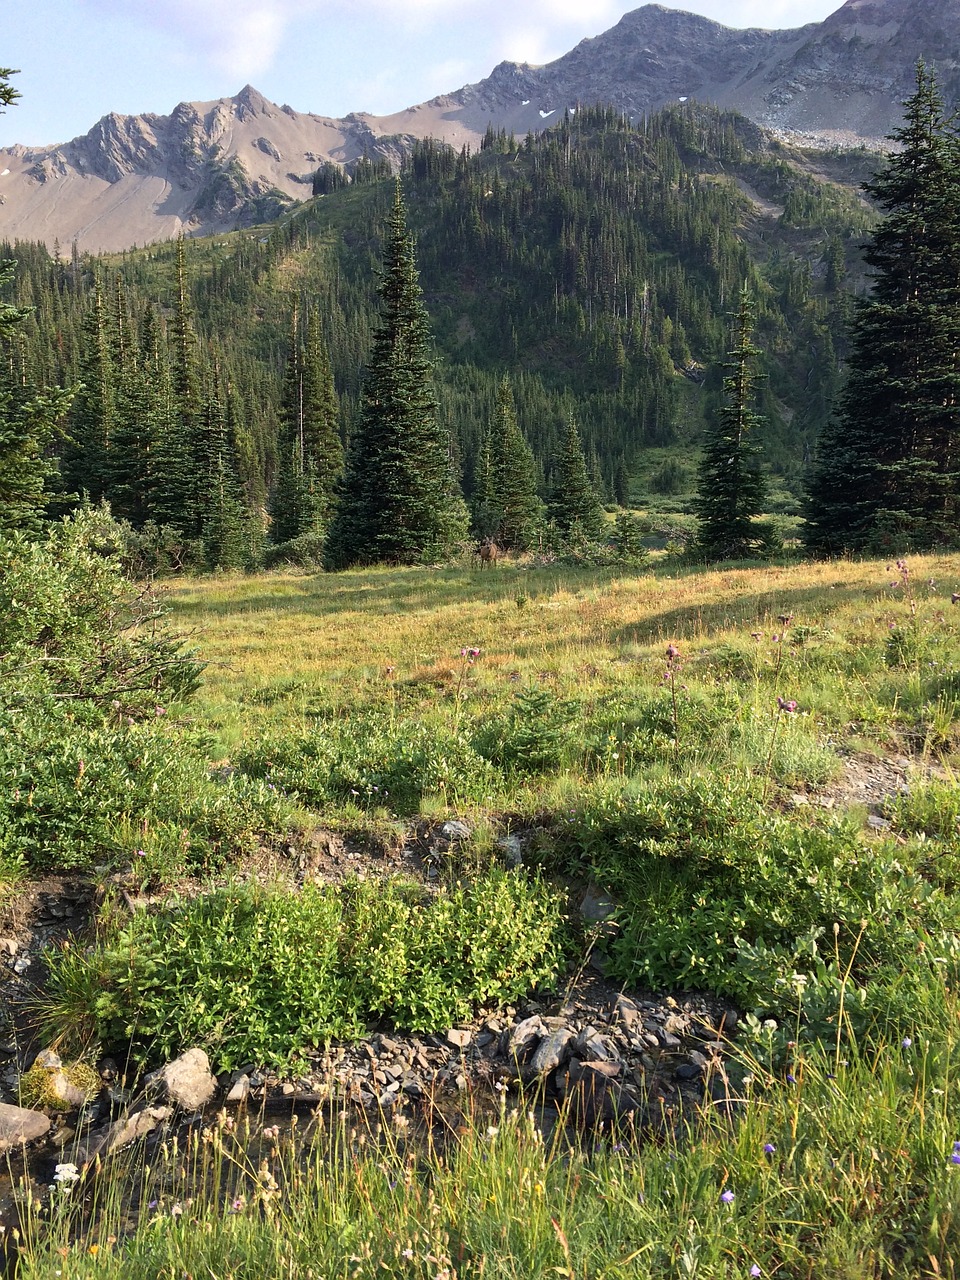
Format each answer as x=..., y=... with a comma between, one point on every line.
x=595, y=265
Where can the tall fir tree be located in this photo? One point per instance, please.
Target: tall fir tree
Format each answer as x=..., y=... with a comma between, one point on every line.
x=575, y=506
x=887, y=472
x=85, y=456
x=399, y=502
x=181, y=474
x=28, y=421
x=731, y=488
x=512, y=509
x=310, y=454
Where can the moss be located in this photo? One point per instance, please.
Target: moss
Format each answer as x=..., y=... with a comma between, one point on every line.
x=43, y=1087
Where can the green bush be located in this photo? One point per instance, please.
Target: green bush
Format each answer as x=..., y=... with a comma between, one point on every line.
x=263, y=975
x=95, y=767
x=719, y=891
x=368, y=762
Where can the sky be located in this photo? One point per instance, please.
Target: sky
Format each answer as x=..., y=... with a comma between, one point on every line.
x=80, y=59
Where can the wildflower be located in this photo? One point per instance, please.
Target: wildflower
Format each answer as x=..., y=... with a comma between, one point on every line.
x=784, y=619
x=470, y=653
x=66, y=1175
x=727, y=1196
x=955, y=1158
x=160, y=711
x=768, y=1148
x=755, y=1270
x=791, y=1079
x=673, y=651
x=756, y=635
x=787, y=704
x=141, y=853
x=906, y=1042
x=408, y=1254
x=955, y=597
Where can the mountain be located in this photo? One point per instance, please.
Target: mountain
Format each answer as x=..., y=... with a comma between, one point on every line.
x=210, y=166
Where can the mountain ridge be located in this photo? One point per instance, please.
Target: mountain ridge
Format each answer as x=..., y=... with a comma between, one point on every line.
x=210, y=166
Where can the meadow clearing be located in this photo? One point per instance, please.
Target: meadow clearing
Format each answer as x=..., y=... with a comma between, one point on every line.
x=756, y=764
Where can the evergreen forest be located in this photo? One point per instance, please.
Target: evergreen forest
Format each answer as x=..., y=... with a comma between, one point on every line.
x=596, y=266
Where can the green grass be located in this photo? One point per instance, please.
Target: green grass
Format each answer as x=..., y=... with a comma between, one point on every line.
x=688, y=784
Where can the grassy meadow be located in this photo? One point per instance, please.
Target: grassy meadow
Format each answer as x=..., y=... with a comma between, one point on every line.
x=755, y=764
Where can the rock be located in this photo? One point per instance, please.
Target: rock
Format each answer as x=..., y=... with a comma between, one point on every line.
x=19, y=1125
x=459, y=1038
x=552, y=1052
x=122, y=1132
x=596, y=907
x=626, y=1012
x=511, y=848
x=455, y=831
x=590, y=1045
x=47, y=1058
x=9, y=946
x=186, y=1082
x=524, y=1036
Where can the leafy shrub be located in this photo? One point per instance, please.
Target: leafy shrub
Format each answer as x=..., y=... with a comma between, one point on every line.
x=718, y=891
x=369, y=762
x=94, y=765
x=262, y=975
x=83, y=793
x=305, y=552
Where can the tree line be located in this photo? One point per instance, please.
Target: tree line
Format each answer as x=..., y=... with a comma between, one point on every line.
x=363, y=457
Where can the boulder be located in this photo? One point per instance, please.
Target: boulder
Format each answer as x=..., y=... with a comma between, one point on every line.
x=19, y=1125
x=552, y=1052
x=186, y=1082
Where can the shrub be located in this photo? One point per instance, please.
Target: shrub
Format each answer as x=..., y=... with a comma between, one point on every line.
x=262, y=975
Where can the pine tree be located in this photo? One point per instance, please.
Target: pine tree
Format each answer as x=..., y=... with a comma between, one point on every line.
x=731, y=488
x=310, y=460
x=575, y=507
x=84, y=463
x=399, y=502
x=888, y=465
x=516, y=507
x=28, y=421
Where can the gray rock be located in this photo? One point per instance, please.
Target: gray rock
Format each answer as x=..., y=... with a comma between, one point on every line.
x=511, y=848
x=122, y=1132
x=186, y=1082
x=590, y=1045
x=459, y=1037
x=455, y=830
x=524, y=1036
x=19, y=1125
x=597, y=907
x=552, y=1052
x=626, y=1012
x=49, y=1059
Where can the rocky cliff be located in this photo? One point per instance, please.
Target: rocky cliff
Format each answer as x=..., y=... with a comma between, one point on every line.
x=213, y=165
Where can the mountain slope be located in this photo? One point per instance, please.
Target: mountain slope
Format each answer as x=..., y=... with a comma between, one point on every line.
x=210, y=166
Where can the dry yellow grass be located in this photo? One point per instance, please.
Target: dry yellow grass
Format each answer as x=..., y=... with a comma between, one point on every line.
x=292, y=638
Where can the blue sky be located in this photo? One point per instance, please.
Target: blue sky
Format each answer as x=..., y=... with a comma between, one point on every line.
x=80, y=59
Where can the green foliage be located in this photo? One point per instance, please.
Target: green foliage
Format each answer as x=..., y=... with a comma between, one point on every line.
x=538, y=734
x=718, y=891
x=264, y=976
x=731, y=490
x=373, y=763
x=90, y=678
x=398, y=502
x=574, y=505
x=887, y=475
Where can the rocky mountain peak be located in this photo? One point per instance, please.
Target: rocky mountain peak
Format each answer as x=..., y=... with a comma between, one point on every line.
x=209, y=165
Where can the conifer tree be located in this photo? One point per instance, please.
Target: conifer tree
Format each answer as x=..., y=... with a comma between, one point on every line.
x=517, y=511
x=399, y=502
x=310, y=460
x=84, y=464
x=27, y=421
x=887, y=472
x=731, y=487
x=575, y=506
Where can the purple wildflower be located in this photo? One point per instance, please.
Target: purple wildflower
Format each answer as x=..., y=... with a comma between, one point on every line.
x=768, y=1148
x=787, y=704
x=755, y=1271
x=727, y=1196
